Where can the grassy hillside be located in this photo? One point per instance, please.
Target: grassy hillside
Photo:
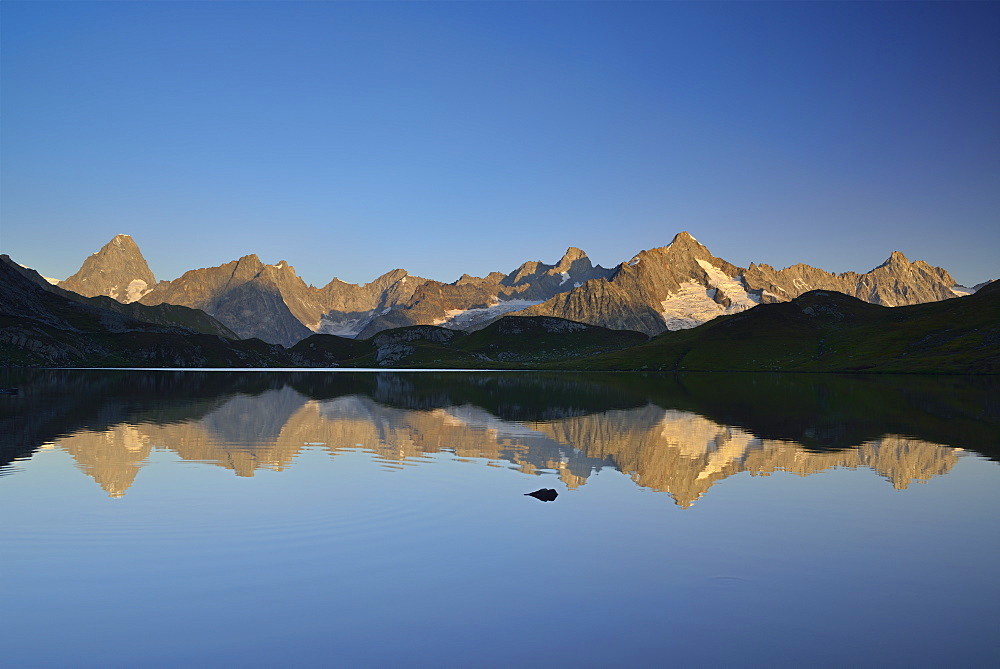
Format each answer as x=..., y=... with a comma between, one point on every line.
x=511, y=342
x=829, y=332
x=26, y=343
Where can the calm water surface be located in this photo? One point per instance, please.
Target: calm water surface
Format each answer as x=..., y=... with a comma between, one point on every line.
x=379, y=519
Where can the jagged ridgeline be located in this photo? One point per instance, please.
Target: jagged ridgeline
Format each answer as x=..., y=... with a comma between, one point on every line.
x=675, y=287
x=43, y=325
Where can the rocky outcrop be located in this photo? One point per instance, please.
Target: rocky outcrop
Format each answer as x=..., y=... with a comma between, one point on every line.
x=118, y=270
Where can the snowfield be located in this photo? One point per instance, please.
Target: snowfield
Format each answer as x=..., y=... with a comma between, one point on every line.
x=694, y=304
x=462, y=319
x=348, y=327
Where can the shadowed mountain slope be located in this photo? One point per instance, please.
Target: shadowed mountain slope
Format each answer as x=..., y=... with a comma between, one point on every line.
x=828, y=331
x=41, y=326
x=169, y=315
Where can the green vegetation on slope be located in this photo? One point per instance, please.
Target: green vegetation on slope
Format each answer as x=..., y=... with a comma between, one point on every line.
x=829, y=332
x=510, y=342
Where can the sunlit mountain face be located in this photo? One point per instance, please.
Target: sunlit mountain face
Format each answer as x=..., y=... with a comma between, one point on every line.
x=673, y=435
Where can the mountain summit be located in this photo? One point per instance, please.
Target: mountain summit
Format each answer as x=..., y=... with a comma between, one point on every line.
x=118, y=270
x=673, y=287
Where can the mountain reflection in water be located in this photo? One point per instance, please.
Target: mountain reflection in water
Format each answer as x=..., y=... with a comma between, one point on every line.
x=670, y=434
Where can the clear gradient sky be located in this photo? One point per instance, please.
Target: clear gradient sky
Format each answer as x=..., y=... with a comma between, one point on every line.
x=349, y=138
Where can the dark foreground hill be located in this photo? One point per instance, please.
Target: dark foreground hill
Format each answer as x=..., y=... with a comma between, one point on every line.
x=820, y=331
x=512, y=341
x=41, y=326
x=170, y=315
x=823, y=331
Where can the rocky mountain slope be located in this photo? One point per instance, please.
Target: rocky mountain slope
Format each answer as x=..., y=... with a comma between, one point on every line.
x=682, y=285
x=472, y=302
x=169, y=315
x=244, y=294
x=827, y=331
x=674, y=287
x=40, y=326
x=118, y=270
x=820, y=331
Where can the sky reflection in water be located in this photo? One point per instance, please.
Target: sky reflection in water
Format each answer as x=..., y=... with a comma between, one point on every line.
x=381, y=518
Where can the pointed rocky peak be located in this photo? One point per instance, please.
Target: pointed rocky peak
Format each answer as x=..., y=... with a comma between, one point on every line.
x=392, y=276
x=896, y=259
x=572, y=256
x=119, y=245
x=683, y=250
x=380, y=283
x=683, y=241
x=124, y=241
x=337, y=283
x=247, y=267
x=117, y=270
x=524, y=272
x=250, y=259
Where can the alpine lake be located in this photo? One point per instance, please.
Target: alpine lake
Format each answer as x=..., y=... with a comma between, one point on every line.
x=219, y=518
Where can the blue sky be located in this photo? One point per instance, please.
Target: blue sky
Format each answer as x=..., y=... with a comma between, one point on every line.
x=352, y=138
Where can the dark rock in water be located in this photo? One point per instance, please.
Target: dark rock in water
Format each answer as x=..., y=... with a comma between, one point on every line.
x=544, y=494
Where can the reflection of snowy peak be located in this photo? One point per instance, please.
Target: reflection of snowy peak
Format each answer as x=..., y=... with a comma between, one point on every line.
x=118, y=270
x=677, y=286
x=676, y=452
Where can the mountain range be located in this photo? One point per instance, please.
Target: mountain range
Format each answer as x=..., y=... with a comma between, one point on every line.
x=674, y=287
x=822, y=331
